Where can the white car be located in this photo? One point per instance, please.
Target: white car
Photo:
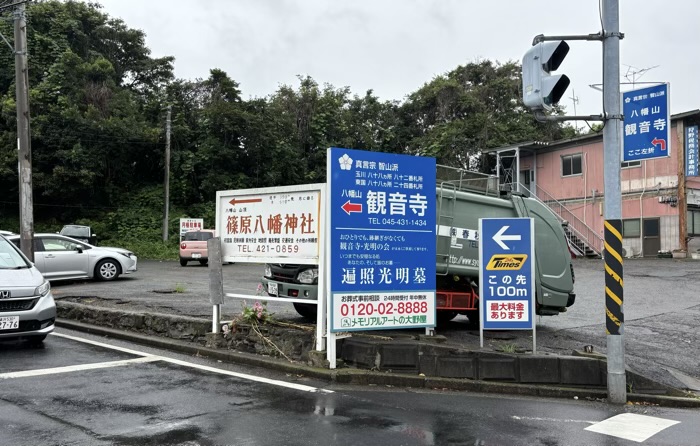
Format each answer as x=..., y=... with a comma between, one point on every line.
x=27, y=308
x=59, y=257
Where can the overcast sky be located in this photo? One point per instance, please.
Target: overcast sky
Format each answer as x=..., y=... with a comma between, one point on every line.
x=395, y=46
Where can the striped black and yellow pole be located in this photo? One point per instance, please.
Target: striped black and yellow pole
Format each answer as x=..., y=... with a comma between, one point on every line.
x=614, y=285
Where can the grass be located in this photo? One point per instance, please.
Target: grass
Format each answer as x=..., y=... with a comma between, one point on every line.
x=507, y=348
x=179, y=288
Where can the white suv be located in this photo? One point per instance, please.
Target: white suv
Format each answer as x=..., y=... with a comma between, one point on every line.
x=27, y=308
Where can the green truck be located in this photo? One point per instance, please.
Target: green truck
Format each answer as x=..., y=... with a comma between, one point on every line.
x=463, y=197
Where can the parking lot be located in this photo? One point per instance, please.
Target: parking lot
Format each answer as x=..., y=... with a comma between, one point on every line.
x=661, y=305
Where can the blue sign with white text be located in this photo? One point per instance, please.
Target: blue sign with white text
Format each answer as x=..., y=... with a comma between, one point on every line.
x=506, y=253
x=691, y=151
x=647, y=125
x=382, y=240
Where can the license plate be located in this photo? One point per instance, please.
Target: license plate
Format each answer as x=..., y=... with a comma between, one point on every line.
x=9, y=322
x=272, y=288
x=196, y=256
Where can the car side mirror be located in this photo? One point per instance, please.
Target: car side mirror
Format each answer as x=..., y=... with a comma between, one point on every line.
x=79, y=248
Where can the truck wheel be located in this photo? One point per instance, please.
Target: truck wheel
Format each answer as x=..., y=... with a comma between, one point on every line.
x=183, y=262
x=473, y=316
x=307, y=311
x=445, y=316
x=203, y=262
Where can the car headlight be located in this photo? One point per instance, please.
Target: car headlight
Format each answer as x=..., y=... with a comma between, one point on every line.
x=268, y=270
x=308, y=276
x=43, y=289
x=126, y=253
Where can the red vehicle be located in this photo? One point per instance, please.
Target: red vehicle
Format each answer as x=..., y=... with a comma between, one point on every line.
x=194, y=246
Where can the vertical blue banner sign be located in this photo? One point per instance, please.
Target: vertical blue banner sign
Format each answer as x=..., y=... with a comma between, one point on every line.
x=507, y=277
x=382, y=240
x=691, y=151
x=647, y=126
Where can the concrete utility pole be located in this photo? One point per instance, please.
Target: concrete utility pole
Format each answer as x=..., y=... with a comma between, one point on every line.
x=167, y=175
x=614, y=321
x=26, y=203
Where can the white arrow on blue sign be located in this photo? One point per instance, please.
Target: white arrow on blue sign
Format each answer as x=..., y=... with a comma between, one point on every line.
x=500, y=237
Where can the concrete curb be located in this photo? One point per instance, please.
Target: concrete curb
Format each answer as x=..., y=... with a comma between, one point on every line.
x=369, y=377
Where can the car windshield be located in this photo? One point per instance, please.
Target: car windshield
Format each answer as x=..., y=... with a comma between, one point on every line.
x=10, y=258
x=198, y=236
x=76, y=231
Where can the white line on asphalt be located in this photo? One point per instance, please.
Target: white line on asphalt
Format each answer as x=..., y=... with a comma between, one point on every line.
x=198, y=366
x=554, y=420
x=101, y=344
x=75, y=368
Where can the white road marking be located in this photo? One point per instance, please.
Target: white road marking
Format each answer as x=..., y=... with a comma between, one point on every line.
x=632, y=426
x=75, y=368
x=554, y=420
x=197, y=366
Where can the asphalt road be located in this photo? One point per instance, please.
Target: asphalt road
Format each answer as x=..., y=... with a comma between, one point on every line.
x=84, y=390
x=661, y=305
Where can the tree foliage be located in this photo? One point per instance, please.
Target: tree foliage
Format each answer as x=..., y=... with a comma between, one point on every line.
x=98, y=102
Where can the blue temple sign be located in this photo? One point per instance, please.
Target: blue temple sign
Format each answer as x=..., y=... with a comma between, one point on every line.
x=382, y=240
x=647, y=125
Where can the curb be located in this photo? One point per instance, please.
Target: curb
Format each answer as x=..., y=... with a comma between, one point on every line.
x=368, y=377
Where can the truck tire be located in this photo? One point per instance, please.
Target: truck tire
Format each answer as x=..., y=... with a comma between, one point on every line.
x=473, y=316
x=445, y=316
x=183, y=262
x=307, y=311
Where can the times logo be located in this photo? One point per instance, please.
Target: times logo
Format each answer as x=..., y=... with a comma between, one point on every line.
x=510, y=262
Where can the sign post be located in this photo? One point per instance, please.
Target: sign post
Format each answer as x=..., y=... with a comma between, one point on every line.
x=507, y=279
x=647, y=124
x=382, y=241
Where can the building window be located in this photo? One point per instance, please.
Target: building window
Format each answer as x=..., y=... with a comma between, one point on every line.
x=693, y=222
x=630, y=228
x=628, y=164
x=571, y=165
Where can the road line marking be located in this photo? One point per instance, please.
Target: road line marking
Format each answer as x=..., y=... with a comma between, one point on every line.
x=101, y=344
x=631, y=426
x=274, y=382
x=76, y=368
x=555, y=420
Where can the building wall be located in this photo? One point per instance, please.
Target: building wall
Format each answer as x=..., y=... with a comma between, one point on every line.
x=643, y=188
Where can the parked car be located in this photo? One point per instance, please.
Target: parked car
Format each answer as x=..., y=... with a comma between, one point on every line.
x=80, y=232
x=59, y=257
x=6, y=232
x=194, y=246
x=27, y=308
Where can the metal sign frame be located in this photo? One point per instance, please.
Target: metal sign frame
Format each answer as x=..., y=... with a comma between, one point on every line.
x=507, y=248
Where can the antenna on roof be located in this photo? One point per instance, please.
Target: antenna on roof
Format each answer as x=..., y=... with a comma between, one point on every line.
x=633, y=73
x=574, y=99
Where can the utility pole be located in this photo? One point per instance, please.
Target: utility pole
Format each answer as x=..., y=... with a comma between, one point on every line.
x=541, y=92
x=167, y=174
x=614, y=321
x=26, y=203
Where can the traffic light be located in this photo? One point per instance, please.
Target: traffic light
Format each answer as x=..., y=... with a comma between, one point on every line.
x=542, y=90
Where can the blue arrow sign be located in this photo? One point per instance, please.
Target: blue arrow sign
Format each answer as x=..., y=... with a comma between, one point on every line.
x=647, y=125
x=506, y=286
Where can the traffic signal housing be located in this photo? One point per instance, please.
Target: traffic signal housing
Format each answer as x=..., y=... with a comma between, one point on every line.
x=541, y=89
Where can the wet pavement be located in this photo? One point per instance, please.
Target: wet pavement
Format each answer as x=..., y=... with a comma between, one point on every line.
x=84, y=390
x=661, y=305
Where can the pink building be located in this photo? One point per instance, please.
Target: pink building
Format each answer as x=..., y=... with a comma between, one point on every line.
x=660, y=203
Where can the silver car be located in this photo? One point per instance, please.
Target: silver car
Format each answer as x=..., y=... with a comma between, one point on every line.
x=27, y=308
x=59, y=257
